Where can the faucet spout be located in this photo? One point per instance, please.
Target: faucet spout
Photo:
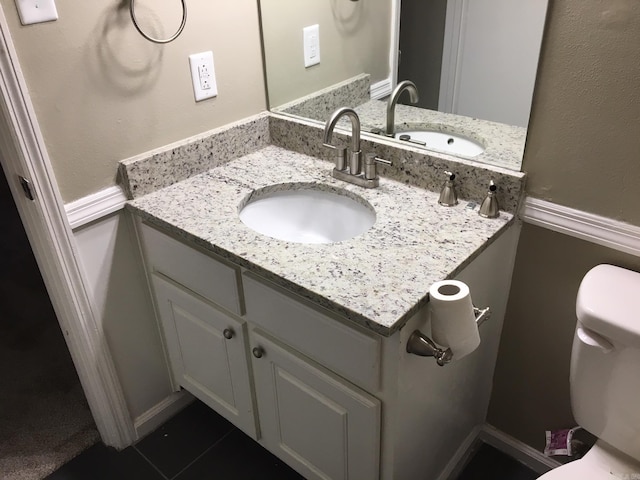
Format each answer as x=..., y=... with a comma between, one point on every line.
x=355, y=127
x=393, y=100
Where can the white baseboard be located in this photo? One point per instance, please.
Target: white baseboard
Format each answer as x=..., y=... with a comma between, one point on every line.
x=161, y=412
x=586, y=226
x=95, y=206
x=522, y=452
x=381, y=89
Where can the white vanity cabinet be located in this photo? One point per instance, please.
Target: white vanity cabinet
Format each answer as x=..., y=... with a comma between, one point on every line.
x=307, y=412
x=317, y=421
x=207, y=352
x=206, y=346
x=331, y=398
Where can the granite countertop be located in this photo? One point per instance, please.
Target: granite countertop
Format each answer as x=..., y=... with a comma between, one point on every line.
x=504, y=144
x=378, y=279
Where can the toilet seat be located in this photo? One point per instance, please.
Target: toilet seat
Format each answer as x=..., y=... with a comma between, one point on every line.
x=601, y=462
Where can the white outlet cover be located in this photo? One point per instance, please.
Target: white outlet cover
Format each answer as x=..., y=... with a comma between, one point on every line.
x=200, y=62
x=311, y=44
x=36, y=11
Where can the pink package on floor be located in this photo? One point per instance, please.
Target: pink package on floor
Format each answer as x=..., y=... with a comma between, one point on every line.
x=559, y=442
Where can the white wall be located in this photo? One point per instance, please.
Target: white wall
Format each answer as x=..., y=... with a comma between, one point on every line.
x=114, y=275
x=498, y=58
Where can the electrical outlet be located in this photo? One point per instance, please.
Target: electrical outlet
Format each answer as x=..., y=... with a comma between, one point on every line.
x=311, y=41
x=203, y=75
x=36, y=11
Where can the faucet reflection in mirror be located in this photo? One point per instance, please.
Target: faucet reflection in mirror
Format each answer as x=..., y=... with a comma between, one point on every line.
x=351, y=172
x=414, y=97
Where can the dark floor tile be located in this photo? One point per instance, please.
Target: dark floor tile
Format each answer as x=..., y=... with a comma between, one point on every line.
x=489, y=463
x=238, y=457
x=184, y=438
x=104, y=463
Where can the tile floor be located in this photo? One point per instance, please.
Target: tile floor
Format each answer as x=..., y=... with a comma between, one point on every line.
x=491, y=464
x=199, y=444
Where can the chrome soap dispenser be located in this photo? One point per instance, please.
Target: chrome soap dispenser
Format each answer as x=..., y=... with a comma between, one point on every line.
x=489, y=207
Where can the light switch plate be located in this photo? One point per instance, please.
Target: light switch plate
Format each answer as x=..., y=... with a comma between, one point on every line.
x=203, y=75
x=36, y=11
x=311, y=41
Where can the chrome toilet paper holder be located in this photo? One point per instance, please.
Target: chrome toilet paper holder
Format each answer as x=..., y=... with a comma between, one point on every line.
x=420, y=344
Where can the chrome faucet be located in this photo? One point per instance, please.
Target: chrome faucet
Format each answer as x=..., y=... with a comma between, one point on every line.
x=351, y=173
x=393, y=100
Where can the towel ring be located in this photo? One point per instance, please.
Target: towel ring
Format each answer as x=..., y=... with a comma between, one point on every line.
x=157, y=40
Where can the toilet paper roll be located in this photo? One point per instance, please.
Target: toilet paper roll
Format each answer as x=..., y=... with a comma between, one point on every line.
x=453, y=323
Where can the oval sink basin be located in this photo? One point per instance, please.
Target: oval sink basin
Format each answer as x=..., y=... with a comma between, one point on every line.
x=442, y=141
x=307, y=215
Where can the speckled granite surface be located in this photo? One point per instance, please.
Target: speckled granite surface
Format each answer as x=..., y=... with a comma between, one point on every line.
x=150, y=171
x=378, y=279
x=411, y=165
x=319, y=105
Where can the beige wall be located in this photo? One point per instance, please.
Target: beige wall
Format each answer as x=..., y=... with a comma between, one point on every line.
x=583, y=151
x=531, y=384
x=354, y=39
x=102, y=93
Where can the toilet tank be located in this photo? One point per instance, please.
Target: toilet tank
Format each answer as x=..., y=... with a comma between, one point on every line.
x=605, y=360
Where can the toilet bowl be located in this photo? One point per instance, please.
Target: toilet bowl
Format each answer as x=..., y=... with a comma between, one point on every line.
x=604, y=375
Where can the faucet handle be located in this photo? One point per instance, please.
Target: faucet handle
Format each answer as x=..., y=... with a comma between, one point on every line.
x=340, y=156
x=370, y=160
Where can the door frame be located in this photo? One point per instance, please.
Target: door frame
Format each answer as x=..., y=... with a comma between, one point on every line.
x=23, y=153
x=455, y=25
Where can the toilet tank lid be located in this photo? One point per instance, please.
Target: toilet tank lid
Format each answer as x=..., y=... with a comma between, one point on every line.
x=609, y=303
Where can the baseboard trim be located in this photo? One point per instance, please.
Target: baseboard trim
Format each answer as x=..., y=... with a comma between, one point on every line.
x=380, y=89
x=513, y=447
x=586, y=226
x=161, y=412
x=95, y=206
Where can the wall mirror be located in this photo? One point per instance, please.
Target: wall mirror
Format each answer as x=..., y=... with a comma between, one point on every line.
x=474, y=60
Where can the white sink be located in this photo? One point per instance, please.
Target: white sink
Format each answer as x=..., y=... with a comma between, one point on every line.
x=307, y=214
x=443, y=142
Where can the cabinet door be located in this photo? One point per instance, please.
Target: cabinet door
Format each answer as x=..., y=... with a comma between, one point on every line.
x=321, y=425
x=207, y=353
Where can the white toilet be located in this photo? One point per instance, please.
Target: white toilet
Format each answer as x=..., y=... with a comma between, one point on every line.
x=605, y=375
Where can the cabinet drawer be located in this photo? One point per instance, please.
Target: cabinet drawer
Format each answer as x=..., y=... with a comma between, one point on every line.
x=350, y=353
x=200, y=273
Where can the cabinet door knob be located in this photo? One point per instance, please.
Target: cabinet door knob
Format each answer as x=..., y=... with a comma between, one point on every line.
x=257, y=352
x=228, y=333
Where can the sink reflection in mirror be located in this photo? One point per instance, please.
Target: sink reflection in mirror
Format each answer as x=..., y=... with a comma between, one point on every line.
x=445, y=142
x=307, y=213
